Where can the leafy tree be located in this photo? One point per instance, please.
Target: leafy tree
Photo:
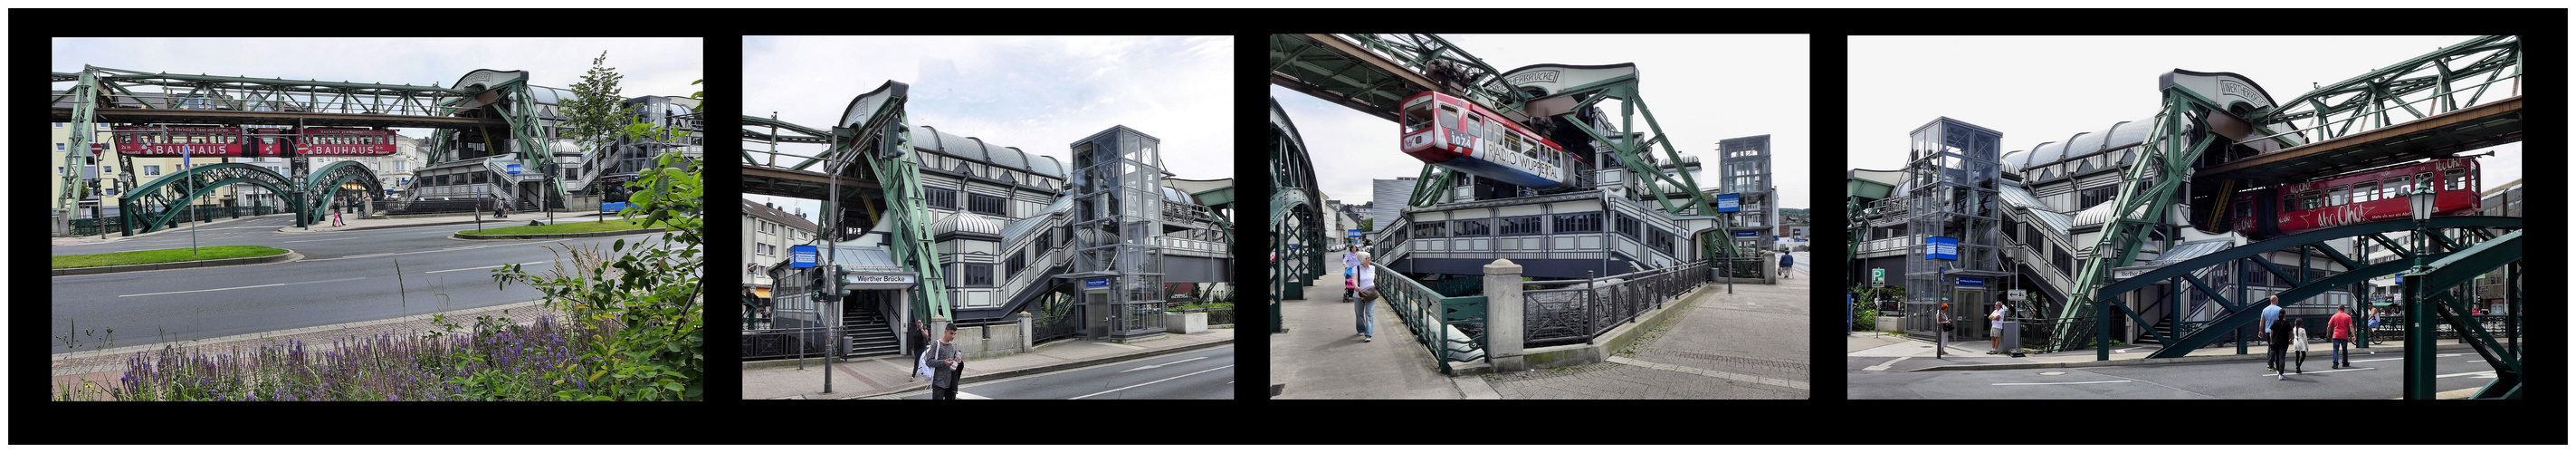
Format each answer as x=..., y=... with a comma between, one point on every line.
x=649, y=300
x=594, y=113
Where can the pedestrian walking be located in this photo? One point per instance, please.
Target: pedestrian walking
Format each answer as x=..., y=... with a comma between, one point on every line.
x=2271, y=312
x=1787, y=262
x=2299, y=347
x=2279, y=334
x=335, y=218
x=1350, y=273
x=1365, y=312
x=945, y=366
x=1995, y=324
x=2340, y=327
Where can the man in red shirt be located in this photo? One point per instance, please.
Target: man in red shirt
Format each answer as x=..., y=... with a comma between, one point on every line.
x=2341, y=324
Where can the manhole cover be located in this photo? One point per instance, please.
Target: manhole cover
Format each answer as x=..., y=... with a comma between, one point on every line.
x=2051, y=373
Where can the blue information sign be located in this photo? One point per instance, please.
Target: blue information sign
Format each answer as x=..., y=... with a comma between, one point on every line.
x=1095, y=283
x=513, y=169
x=1729, y=203
x=1747, y=234
x=1355, y=233
x=801, y=256
x=1941, y=248
x=1972, y=282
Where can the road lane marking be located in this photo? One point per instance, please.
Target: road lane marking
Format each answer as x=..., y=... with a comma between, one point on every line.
x=1884, y=366
x=1150, y=383
x=970, y=396
x=1800, y=385
x=245, y=287
x=1149, y=367
x=2059, y=383
x=484, y=267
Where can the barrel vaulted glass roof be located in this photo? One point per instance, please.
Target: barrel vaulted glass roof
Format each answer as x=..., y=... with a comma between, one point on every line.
x=975, y=149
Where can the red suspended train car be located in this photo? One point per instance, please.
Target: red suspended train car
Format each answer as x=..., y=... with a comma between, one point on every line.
x=2357, y=197
x=221, y=141
x=1450, y=132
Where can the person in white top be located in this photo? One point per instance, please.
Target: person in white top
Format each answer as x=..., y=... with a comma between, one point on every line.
x=1350, y=271
x=1995, y=322
x=1364, y=312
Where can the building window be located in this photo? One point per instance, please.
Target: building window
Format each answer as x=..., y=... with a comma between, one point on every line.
x=1589, y=222
x=1517, y=226
x=765, y=250
x=986, y=204
x=1628, y=226
x=151, y=170
x=1018, y=261
x=1430, y=230
x=1473, y=227
x=939, y=198
x=2089, y=197
x=978, y=275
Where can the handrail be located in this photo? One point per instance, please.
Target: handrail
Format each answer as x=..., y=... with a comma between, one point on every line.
x=1430, y=316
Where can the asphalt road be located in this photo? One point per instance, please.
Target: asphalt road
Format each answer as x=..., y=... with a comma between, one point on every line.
x=2378, y=376
x=347, y=276
x=1201, y=374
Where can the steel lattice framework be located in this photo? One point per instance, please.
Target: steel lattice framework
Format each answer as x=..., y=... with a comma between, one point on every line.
x=1296, y=215
x=325, y=184
x=2189, y=124
x=876, y=130
x=481, y=99
x=153, y=205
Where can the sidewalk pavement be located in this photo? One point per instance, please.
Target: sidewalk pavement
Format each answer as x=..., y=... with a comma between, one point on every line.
x=117, y=236
x=1751, y=344
x=1971, y=354
x=886, y=376
x=1321, y=356
x=515, y=219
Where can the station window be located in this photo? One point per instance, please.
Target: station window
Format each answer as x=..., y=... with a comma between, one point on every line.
x=1517, y=226
x=939, y=198
x=1430, y=229
x=986, y=204
x=1627, y=226
x=977, y=275
x=1473, y=227
x=1589, y=222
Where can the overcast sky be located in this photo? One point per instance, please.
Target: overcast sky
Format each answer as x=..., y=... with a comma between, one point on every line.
x=2045, y=89
x=1701, y=88
x=1037, y=93
x=650, y=66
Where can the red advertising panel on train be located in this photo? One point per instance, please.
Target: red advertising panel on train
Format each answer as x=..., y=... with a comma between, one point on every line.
x=176, y=141
x=345, y=142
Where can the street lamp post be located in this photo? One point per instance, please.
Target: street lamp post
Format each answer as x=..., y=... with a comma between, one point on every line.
x=2419, y=314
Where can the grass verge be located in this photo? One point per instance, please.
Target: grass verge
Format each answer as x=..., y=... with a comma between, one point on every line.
x=163, y=256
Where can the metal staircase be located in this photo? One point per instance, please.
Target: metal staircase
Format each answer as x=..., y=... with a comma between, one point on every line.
x=867, y=332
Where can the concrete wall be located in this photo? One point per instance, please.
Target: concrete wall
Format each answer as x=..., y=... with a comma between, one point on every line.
x=1006, y=339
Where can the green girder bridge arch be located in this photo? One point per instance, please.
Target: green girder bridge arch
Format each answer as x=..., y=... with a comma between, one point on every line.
x=156, y=204
x=1296, y=216
x=325, y=184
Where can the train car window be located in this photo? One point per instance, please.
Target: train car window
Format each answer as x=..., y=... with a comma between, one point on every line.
x=2455, y=179
x=2335, y=196
x=2424, y=181
x=1475, y=125
x=2308, y=200
x=2245, y=208
x=1417, y=117
x=1448, y=117
x=2392, y=188
x=2365, y=191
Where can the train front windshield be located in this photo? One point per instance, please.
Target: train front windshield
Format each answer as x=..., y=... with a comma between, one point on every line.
x=1417, y=116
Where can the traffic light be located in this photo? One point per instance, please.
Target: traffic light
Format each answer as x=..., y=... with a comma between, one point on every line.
x=842, y=278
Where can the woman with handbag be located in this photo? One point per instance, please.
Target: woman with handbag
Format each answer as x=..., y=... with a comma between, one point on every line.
x=1365, y=312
